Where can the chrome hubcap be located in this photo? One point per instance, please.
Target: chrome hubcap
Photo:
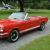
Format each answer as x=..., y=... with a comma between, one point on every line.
x=43, y=26
x=14, y=36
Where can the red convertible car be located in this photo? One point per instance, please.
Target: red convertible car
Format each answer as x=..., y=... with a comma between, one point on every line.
x=20, y=22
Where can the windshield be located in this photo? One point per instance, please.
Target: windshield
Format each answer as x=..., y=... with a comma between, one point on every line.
x=19, y=16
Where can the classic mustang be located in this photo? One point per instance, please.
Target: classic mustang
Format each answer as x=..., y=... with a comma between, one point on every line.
x=20, y=22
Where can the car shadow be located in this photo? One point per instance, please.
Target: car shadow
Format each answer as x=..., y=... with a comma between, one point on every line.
x=29, y=32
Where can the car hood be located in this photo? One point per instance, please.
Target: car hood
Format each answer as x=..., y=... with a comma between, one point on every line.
x=6, y=22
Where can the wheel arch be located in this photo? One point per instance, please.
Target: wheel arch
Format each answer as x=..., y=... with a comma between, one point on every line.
x=14, y=29
x=43, y=22
x=11, y=34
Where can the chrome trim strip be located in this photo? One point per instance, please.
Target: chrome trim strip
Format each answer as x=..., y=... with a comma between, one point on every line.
x=29, y=29
x=1, y=34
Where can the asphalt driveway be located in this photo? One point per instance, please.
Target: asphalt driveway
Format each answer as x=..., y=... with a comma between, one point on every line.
x=29, y=36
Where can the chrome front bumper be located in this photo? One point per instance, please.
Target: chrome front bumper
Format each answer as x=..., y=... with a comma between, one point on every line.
x=2, y=35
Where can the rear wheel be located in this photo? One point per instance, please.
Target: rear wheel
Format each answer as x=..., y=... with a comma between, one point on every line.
x=14, y=36
x=42, y=26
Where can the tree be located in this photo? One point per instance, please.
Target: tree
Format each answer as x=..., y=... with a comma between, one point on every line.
x=21, y=5
x=34, y=4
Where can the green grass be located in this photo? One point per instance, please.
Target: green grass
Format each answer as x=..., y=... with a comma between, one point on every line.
x=39, y=12
x=34, y=12
x=7, y=11
x=30, y=14
x=4, y=16
x=38, y=44
x=42, y=14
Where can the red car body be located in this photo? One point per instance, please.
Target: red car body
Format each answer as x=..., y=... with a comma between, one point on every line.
x=22, y=25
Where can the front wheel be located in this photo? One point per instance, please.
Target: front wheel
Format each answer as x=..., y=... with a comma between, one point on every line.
x=14, y=36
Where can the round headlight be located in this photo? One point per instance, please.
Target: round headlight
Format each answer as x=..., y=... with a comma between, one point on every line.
x=1, y=29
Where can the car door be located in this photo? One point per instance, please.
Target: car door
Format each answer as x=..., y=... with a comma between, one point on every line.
x=25, y=25
x=28, y=24
x=32, y=23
